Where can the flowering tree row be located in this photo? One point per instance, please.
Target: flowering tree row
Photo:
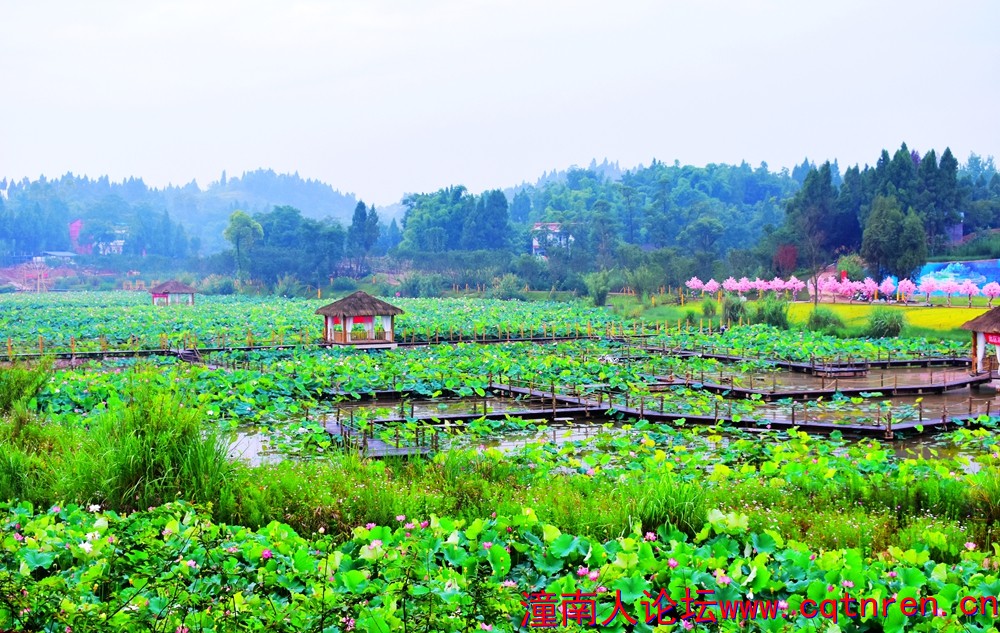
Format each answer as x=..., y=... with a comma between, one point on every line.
x=869, y=288
x=906, y=289
x=744, y=285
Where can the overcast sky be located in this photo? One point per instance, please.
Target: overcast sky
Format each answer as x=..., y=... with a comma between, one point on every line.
x=386, y=97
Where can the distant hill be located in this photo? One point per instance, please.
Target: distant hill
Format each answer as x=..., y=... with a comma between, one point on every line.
x=203, y=214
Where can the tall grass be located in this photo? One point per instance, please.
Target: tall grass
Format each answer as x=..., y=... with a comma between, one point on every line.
x=149, y=449
x=668, y=501
x=885, y=323
x=22, y=382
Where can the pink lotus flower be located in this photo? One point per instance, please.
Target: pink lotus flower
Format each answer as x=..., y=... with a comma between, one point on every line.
x=266, y=554
x=582, y=571
x=594, y=575
x=672, y=563
x=487, y=544
x=650, y=536
x=970, y=546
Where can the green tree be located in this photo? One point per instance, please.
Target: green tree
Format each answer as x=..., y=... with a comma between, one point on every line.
x=911, y=247
x=363, y=234
x=486, y=224
x=880, y=243
x=243, y=232
x=809, y=216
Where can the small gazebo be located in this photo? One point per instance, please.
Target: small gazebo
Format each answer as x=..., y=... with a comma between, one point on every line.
x=171, y=293
x=359, y=319
x=985, y=330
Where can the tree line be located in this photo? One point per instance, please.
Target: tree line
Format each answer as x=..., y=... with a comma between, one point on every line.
x=662, y=222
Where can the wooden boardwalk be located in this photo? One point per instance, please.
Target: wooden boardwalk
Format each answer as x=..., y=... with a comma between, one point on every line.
x=830, y=368
x=774, y=394
x=366, y=445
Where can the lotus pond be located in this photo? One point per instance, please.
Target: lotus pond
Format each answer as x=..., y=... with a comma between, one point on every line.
x=125, y=512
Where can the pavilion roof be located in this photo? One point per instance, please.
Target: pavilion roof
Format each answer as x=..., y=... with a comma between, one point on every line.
x=359, y=304
x=172, y=287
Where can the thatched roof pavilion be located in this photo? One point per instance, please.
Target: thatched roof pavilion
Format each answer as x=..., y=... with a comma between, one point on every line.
x=172, y=292
x=359, y=319
x=985, y=330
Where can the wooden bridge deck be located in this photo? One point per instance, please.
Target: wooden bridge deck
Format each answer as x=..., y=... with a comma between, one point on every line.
x=771, y=395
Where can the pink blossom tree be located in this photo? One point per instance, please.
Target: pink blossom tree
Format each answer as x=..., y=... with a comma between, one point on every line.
x=795, y=285
x=744, y=285
x=760, y=285
x=907, y=288
x=870, y=288
x=887, y=287
x=832, y=286
x=991, y=290
x=730, y=285
x=969, y=288
x=694, y=284
x=711, y=286
x=777, y=285
x=848, y=288
x=949, y=288
x=927, y=286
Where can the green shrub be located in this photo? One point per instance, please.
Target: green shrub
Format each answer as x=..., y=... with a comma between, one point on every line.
x=824, y=320
x=289, y=286
x=218, y=285
x=508, y=287
x=885, y=323
x=853, y=264
x=708, y=308
x=771, y=311
x=734, y=310
x=344, y=284
x=690, y=317
x=598, y=287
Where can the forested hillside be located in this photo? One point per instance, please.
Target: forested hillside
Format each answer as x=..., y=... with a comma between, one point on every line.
x=173, y=221
x=663, y=222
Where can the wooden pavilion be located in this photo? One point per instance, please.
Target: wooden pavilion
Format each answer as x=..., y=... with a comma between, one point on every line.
x=985, y=330
x=171, y=293
x=359, y=319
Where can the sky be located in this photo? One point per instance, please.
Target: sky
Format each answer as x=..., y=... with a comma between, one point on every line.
x=382, y=98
